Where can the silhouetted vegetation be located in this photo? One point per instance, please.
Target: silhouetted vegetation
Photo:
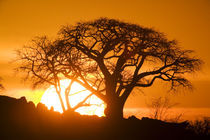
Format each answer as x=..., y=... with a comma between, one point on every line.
x=160, y=109
x=1, y=85
x=110, y=58
x=39, y=61
x=20, y=119
x=201, y=127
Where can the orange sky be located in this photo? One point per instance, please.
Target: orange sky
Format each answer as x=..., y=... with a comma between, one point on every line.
x=188, y=21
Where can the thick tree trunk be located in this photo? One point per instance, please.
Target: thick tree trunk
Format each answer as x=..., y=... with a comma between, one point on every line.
x=114, y=110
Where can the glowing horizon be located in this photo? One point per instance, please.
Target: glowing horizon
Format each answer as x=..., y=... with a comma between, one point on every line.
x=50, y=99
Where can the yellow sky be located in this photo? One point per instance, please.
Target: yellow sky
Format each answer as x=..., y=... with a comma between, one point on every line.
x=188, y=21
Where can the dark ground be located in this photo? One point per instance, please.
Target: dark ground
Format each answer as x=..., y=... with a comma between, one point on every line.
x=20, y=119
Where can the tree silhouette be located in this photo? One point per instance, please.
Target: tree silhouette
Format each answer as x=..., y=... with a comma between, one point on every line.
x=1, y=85
x=160, y=108
x=126, y=56
x=111, y=58
x=40, y=62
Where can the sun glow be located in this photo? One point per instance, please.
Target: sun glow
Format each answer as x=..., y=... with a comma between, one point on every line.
x=50, y=99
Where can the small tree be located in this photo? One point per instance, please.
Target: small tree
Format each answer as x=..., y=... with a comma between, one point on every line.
x=1, y=85
x=40, y=61
x=160, y=109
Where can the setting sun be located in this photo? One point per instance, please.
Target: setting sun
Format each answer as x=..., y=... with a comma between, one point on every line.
x=50, y=99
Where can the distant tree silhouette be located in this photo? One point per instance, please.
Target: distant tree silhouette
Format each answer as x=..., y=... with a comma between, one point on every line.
x=160, y=108
x=1, y=85
x=111, y=58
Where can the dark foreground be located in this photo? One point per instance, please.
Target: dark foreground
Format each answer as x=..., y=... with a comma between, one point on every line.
x=20, y=119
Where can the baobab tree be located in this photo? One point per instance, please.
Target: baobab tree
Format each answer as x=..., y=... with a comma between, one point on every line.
x=111, y=58
x=126, y=56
